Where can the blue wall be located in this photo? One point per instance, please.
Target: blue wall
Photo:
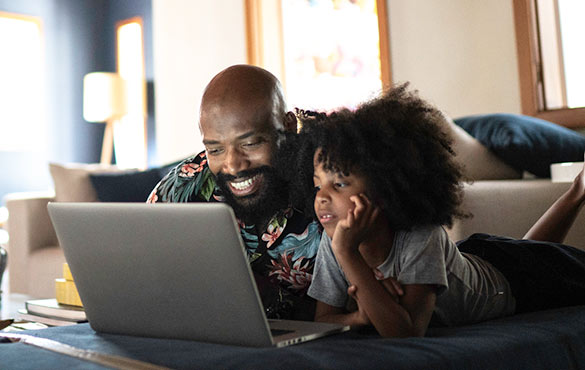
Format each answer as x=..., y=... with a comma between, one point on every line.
x=79, y=38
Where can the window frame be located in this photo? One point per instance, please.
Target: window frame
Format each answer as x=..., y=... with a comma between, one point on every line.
x=42, y=124
x=141, y=162
x=530, y=70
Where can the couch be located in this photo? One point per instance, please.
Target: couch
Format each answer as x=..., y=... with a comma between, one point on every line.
x=501, y=198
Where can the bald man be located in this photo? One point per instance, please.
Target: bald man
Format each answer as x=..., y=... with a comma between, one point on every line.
x=247, y=132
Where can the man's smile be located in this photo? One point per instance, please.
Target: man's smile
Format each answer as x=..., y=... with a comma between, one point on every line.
x=245, y=186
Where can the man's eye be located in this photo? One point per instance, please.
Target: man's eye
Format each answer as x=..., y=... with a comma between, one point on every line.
x=214, y=151
x=253, y=144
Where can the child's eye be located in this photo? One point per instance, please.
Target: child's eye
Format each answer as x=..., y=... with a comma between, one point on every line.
x=340, y=184
x=316, y=188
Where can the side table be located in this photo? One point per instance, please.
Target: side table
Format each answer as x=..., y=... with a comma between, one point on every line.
x=11, y=303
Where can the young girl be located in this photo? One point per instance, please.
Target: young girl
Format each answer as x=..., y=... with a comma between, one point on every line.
x=385, y=182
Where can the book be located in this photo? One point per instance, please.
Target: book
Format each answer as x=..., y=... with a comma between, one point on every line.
x=50, y=321
x=53, y=309
x=66, y=293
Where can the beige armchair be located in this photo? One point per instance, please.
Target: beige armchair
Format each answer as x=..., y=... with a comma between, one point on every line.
x=35, y=259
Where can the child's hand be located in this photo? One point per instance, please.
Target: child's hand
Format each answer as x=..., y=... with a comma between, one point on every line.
x=359, y=317
x=354, y=229
x=391, y=285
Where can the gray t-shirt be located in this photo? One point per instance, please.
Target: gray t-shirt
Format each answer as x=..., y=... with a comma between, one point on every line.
x=469, y=288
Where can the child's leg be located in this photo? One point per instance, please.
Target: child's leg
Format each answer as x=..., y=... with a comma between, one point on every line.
x=542, y=275
x=556, y=222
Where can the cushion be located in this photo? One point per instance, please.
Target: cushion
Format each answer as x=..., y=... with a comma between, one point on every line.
x=526, y=143
x=478, y=162
x=134, y=186
x=72, y=183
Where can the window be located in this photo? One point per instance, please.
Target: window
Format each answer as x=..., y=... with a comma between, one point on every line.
x=22, y=101
x=322, y=61
x=130, y=131
x=551, y=58
x=561, y=31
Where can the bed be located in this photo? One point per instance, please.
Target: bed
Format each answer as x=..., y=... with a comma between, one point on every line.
x=552, y=339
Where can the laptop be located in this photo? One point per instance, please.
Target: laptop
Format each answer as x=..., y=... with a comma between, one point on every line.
x=175, y=271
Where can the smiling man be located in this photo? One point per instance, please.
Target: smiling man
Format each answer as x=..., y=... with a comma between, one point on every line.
x=248, y=135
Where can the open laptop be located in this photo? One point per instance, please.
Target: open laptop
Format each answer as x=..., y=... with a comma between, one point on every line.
x=169, y=271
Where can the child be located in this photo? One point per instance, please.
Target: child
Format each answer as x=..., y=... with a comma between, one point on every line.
x=384, y=182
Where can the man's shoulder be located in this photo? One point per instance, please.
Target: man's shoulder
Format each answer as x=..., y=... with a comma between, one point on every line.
x=189, y=181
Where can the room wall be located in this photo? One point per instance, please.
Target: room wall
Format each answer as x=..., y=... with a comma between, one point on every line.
x=193, y=40
x=79, y=38
x=460, y=54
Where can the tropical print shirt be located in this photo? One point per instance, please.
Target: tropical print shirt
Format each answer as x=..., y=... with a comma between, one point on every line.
x=281, y=257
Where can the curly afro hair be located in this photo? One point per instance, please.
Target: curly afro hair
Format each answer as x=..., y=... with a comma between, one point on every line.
x=396, y=142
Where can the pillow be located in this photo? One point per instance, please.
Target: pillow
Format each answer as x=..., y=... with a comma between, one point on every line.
x=134, y=186
x=477, y=160
x=526, y=143
x=72, y=183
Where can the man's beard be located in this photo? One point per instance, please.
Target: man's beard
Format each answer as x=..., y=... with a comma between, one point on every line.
x=271, y=197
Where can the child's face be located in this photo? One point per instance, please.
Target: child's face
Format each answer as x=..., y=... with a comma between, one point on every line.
x=333, y=191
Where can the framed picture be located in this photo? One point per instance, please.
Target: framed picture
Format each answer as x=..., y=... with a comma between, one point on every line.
x=327, y=53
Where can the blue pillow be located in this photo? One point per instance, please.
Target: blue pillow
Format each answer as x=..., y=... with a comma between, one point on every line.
x=134, y=186
x=525, y=143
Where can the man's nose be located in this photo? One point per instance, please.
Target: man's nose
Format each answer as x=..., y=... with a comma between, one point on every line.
x=235, y=162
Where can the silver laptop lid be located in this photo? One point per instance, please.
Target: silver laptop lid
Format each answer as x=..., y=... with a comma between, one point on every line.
x=165, y=270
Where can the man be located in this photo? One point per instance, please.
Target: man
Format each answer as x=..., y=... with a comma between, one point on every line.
x=247, y=132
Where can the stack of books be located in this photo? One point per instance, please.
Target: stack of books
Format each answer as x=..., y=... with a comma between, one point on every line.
x=52, y=313
x=66, y=291
x=65, y=309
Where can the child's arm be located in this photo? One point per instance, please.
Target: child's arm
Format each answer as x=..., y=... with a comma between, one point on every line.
x=408, y=318
x=411, y=316
x=328, y=313
x=556, y=222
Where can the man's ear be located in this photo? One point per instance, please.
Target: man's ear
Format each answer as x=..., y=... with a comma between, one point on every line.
x=290, y=122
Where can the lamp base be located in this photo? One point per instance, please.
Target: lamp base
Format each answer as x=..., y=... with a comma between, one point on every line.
x=108, y=143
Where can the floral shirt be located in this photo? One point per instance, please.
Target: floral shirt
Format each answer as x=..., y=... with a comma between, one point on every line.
x=281, y=257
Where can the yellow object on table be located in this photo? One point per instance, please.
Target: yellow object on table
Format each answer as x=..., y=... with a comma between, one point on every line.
x=66, y=291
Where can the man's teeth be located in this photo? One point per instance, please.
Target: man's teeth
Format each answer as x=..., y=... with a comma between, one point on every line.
x=241, y=185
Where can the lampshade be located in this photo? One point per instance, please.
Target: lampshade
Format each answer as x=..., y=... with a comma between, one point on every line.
x=104, y=96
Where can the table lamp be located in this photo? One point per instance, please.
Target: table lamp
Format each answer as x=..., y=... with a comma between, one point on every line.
x=104, y=100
